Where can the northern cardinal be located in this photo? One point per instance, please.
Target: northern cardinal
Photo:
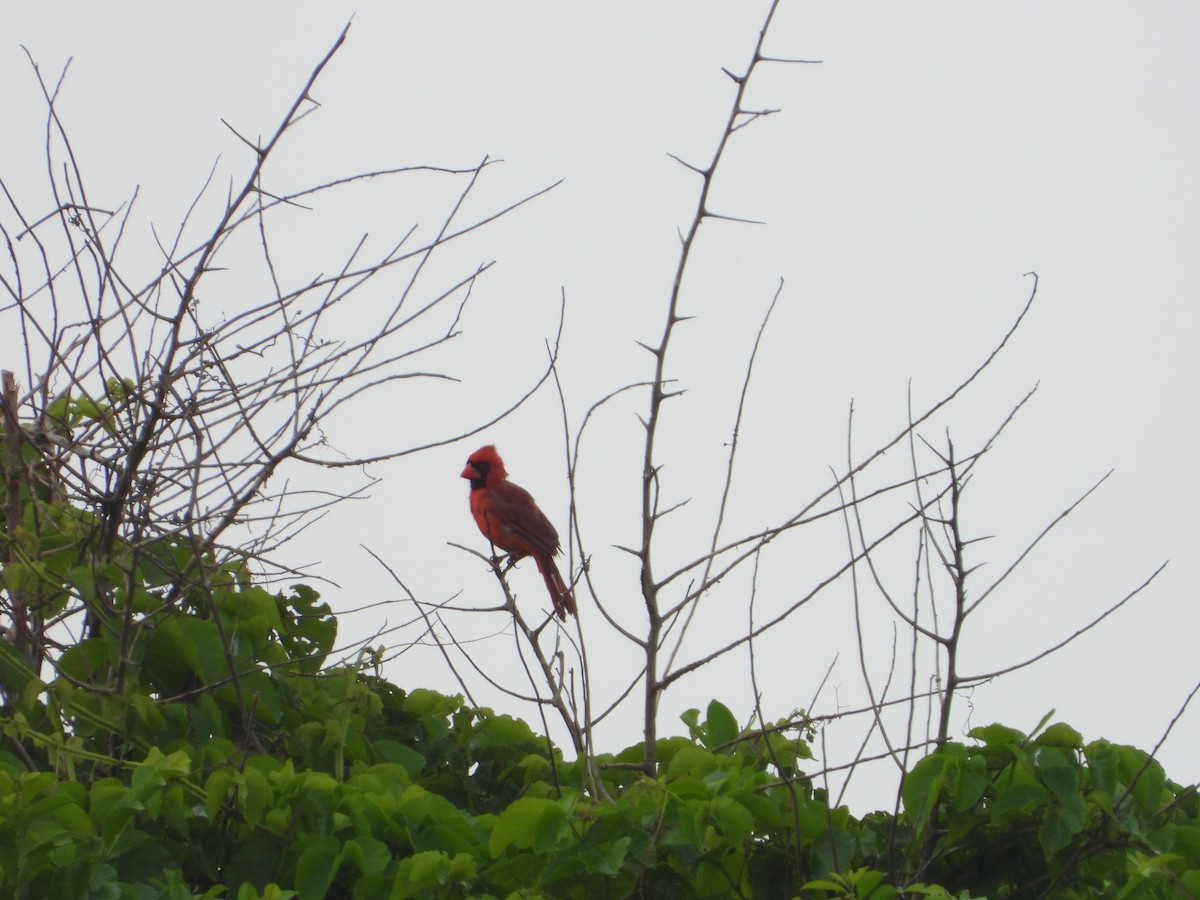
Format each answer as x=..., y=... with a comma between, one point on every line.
x=508, y=517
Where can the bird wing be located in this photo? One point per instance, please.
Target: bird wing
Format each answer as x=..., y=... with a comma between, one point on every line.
x=515, y=509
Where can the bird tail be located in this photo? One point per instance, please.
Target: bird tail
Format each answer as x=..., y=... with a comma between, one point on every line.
x=560, y=594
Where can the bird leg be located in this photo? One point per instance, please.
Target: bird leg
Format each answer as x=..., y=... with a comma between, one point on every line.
x=513, y=559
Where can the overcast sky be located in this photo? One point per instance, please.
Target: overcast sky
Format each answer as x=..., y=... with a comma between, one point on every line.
x=937, y=154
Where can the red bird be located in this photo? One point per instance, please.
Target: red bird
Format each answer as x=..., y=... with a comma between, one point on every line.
x=508, y=517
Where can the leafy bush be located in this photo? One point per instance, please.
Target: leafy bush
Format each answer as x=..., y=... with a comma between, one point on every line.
x=336, y=783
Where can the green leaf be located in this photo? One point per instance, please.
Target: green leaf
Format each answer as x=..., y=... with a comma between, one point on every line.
x=369, y=855
x=734, y=820
x=528, y=823
x=82, y=661
x=87, y=408
x=15, y=672
x=1060, y=824
x=501, y=731
x=935, y=890
x=1063, y=780
x=184, y=646
x=268, y=705
x=609, y=859
x=428, y=704
x=147, y=711
x=997, y=735
x=317, y=866
x=714, y=877
x=255, y=795
x=1103, y=765
x=396, y=752
x=307, y=628
x=923, y=785
x=1042, y=724
x=813, y=818
x=1061, y=735
x=970, y=786
x=1148, y=788
x=694, y=761
x=216, y=790
x=832, y=848
x=866, y=882
x=722, y=727
x=428, y=870
x=1017, y=798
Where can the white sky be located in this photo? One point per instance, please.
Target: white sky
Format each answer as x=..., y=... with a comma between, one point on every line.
x=939, y=152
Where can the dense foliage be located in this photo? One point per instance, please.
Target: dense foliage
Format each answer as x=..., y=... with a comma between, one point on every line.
x=199, y=743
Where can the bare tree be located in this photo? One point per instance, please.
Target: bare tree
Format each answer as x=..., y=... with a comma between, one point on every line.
x=173, y=402
x=863, y=494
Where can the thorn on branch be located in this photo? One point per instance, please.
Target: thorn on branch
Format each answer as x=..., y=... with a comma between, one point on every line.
x=253, y=146
x=779, y=59
x=713, y=215
x=986, y=537
x=755, y=113
x=705, y=173
x=752, y=115
x=736, y=79
x=671, y=509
